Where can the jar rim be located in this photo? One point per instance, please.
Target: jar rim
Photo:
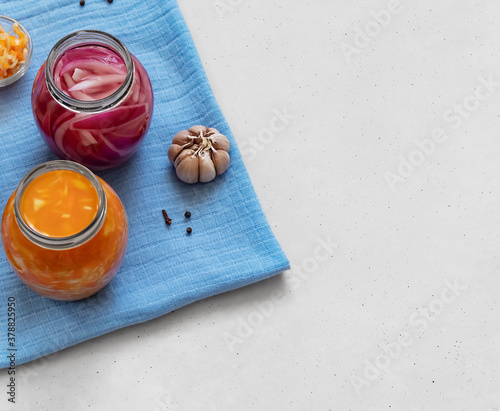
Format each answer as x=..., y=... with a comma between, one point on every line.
x=60, y=243
x=89, y=37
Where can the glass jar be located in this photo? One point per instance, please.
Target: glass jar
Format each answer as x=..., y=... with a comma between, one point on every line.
x=53, y=250
x=97, y=130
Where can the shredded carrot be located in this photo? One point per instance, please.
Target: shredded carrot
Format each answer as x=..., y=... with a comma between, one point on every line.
x=13, y=50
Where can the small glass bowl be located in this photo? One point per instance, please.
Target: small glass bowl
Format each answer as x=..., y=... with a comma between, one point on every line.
x=7, y=23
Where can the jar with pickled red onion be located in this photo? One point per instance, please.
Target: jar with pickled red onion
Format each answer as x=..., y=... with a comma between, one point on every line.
x=92, y=100
x=64, y=231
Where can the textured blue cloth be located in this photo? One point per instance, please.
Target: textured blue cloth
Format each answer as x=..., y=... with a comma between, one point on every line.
x=164, y=269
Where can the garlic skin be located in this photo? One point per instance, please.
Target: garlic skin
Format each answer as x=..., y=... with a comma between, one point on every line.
x=187, y=170
x=221, y=161
x=199, y=154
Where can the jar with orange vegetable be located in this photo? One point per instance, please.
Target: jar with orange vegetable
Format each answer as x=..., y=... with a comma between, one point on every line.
x=64, y=231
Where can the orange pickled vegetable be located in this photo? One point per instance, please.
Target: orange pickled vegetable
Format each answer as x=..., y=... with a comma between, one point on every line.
x=13, y=50
x=72, y=273
x=59, y=203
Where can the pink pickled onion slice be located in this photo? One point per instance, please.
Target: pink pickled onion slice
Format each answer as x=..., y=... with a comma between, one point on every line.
x=98, y=81
x=78, y=74
x=100, y=121
x=69, y=81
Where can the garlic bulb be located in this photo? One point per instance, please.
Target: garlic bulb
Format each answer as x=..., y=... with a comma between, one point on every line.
x=199, y=154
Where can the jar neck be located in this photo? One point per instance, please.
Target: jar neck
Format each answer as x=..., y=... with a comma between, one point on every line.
x=60, y=243
x=89, y=38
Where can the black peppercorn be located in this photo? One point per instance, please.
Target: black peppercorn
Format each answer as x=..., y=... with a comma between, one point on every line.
x=189, y=230
x=82, y=3
x=187, y=214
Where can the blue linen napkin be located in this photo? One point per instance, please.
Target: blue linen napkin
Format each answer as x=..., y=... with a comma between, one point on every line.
x=164, y=269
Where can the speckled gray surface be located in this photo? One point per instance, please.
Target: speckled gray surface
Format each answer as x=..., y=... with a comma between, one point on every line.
x=411, y=270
